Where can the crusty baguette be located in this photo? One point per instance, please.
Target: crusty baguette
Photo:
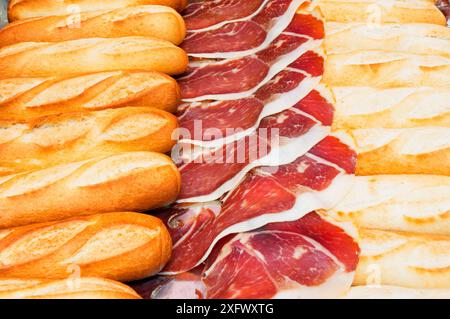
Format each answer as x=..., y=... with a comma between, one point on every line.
x=117, y=246
x=149, y=21
x=71, y=288
x=23, y=9
x=25, y=98
x=58, y=139
x=412, y=203
x=393, y=292
x=36, y=59
x=403, y=259
x=386, y=69
x=418, y=150
x=382, y=11
x=417, y=38
x=135, y=181
x=399, y=107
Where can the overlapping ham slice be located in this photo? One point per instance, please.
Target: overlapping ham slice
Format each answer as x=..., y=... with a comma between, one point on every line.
x=311, y=257
x=247, y=36
x=316, y=180
x=231, y=79
x=279, y=139
x=213, y=123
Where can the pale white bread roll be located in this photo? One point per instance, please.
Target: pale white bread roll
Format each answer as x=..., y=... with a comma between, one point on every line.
x=58, y=139
x=149, y=21
x=37, y=59
x=23, y=9
x=134, y=181
x=118, y=246
x=399, y=107
x=412, y=203
x=393, y=292
x=403, y=259
x=382, y=11
x=384, y=69
x=80, y=288
x=419, y=150
x=25, y=98
x=418, y=38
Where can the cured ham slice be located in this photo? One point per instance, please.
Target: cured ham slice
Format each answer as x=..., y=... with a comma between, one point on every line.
x=312, y=257
x=280, y=139
x=231, y=79
x=316, y=180
x=248, y=36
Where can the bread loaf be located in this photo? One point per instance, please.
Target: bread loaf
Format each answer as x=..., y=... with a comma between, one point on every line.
x=25, y=98
x=417, y=38
x=413, y=203
x=386, y=69
x=149, y=21
x=117, y=246
x=393, y=292
x=382, y=11
x=399, y=107
x=77, y=288
x=23, y=9
x=37, y=59
x=58, y=139
x=135, y=181
x=403, y=259
x=419, y=150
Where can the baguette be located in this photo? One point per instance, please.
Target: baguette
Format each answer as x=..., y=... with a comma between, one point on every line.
x=117, y=246
x=54, y=140
x=382, y=11
x=81, y=288
x=410, y=203
x=386, y=69
x=392, y=292
x=403, y=259
x=24, y=9
x=25, y=98
x=417, y=38
x=403, y=107
x=420, y=150
x=37, y=59
x=149, y=21
x=135, y=181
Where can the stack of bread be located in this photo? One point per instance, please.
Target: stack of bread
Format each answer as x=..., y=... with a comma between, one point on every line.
x=389, y=69
x=85, y=100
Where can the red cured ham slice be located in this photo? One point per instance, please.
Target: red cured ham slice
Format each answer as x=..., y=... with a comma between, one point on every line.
x=312, y=257
x=204, y=14
x=212, y=123
x=265, y=195
x=248, y=36
x=232, y=79
x=279, y=139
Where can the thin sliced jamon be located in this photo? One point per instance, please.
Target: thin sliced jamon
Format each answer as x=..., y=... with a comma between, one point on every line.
x=312, y=257
x=248, y=36
x=213, y=123
x=232, y=79
x=207, y=174
x=266, y=195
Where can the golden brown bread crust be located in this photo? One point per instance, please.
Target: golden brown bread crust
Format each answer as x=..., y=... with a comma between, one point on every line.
x=25, y=98
x=24, y=9
x=394, y=292
x=382, y=11
x=37, y=59
x=117, y=246
x=58, y=139
x=134, y=181
x=76, y=288
x=403, y=259
x=149, y=21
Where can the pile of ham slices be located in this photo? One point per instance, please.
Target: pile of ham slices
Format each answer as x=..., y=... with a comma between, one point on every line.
x=258, y=164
